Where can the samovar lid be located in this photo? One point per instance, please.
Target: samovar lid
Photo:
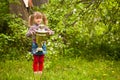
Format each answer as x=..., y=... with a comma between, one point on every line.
x=41, y=31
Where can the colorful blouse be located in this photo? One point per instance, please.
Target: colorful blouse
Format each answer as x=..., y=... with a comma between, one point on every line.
x=31, y=30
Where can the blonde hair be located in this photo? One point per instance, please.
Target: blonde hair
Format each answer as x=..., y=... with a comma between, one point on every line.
x=37, y=15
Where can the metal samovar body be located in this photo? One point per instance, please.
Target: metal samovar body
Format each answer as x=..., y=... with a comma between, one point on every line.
x=41, y=37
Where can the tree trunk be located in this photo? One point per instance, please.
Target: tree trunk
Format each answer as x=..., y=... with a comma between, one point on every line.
x=39, y=2
x=19, y=9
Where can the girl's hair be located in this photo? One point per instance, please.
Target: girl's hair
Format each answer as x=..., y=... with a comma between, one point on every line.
x=37, y=15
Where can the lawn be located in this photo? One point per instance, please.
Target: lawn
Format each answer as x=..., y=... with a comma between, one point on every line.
x=61, y=68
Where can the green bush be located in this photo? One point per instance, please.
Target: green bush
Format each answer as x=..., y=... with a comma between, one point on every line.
x=81, y=28
x=14, y=42
x=86, y=27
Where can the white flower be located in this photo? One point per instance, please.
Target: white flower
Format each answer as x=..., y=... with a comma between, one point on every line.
x=74, y=11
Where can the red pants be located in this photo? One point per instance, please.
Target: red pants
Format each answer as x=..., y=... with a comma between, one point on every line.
x=38, y=62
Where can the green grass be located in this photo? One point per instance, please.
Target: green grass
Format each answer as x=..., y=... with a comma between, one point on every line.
x=62, y=69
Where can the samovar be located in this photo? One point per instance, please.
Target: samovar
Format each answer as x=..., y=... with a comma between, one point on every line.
x=41, y=37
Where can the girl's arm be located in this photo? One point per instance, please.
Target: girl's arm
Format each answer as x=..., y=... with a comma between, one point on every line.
x=50, y=32
x=30, y=32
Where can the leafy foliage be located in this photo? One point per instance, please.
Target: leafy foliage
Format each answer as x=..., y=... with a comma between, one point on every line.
x=14, y=41
x=86, y=27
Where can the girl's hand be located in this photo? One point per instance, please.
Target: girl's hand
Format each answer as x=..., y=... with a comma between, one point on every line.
x=50, y=32
x=32, y=32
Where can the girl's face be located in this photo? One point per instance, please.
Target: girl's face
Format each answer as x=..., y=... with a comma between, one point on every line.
x=37, y=20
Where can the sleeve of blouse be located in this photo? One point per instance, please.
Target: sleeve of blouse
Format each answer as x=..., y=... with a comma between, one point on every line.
x=51, y=32
x=29, y=33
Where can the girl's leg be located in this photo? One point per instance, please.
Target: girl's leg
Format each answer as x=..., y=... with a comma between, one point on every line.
x=41, y=63
x=35, y=63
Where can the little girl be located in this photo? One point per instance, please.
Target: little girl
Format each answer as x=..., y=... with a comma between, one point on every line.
x=35, y=21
